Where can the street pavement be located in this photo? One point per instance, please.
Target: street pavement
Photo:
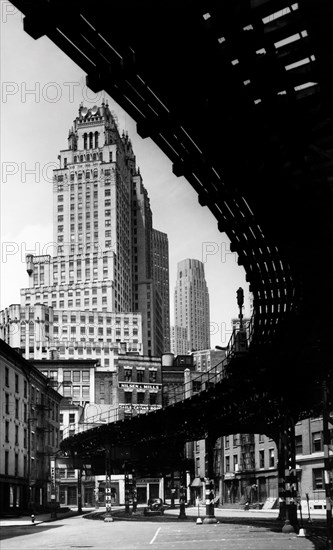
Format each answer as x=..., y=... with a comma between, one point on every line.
x=235, y=530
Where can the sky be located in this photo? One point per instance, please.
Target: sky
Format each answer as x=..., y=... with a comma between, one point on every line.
x=41, y=90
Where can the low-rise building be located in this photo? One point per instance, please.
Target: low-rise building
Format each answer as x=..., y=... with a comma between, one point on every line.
x=29, y=432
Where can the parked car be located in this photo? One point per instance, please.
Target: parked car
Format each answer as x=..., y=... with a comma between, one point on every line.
x=155, y=507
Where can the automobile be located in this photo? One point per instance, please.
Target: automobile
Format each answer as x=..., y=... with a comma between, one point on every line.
x=155, y=507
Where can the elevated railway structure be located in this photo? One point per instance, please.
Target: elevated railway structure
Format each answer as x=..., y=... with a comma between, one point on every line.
x=239, y=95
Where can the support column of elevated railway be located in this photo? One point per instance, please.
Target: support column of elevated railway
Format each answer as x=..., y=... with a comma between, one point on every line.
x=287, y=476
x=108, y=516
x=210, y=485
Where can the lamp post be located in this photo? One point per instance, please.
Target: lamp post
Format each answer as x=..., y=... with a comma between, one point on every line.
x=53, y=462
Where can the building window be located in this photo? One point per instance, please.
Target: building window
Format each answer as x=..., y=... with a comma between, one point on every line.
x=76, y=375
x=318, y=479
x=67, y=375
x=128, y=375
x=271, y=458
x=85, y=392
x=227, y=463
x=76, y=392
x=262, y=459
x=7, y=432
x=153, y=398
x=6, y=462
x=226, y=442
x=140, y=375
x=16, y=408
x=67, y=391
x=152, y=376
x=128, y=397
x=85, y=376
x=317, y=442
x=71, y=418
x=16, y=435
x=16, y=470
x=235, y=463
x=25, y=390
x=140, y=397
x=299, y=444
x=7, y=377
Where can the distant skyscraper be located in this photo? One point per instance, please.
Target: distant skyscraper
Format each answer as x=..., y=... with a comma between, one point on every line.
x=179, y=343
x=97, y=288
x=191, y=301
x=160, y=253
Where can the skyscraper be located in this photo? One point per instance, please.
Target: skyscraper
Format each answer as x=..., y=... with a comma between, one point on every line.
x=160, y=253
x=97, y=289
x=191, y=301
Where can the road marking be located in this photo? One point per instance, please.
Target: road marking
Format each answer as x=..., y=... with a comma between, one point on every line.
x=154, y=537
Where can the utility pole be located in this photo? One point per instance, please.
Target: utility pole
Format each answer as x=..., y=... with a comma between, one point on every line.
x=108, y=517
x=327, y=466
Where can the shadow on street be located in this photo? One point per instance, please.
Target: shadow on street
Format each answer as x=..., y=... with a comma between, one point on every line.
x=10, y=531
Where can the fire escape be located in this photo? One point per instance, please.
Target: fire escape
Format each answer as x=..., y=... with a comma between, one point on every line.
x=247, y=467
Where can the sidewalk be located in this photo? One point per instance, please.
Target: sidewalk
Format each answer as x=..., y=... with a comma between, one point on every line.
x=241, y=513
x=191, y=511
x=40, y=518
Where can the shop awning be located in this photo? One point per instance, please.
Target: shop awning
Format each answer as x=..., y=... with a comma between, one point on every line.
x=196, y=482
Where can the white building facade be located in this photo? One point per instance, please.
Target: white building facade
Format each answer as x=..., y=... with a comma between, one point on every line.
x=96, y=285
x=191, y=300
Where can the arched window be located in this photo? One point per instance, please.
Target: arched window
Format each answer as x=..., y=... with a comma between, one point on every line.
x=88, y=158
x=96, y=140
x=94, y=156
x=85, y=137
x=91, y=140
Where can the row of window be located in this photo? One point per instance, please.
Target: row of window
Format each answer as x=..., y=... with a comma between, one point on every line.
x=140, y=376
x=140, y=398
x=91, y=319
x=246, y=460
x=17, y=384
x=317, y=442
x=16, y=465
x=79, y=195
x=16, y=435
x=74, y=376
x=88, y=174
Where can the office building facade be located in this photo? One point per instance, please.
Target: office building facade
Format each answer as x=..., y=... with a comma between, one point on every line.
x=101, y=261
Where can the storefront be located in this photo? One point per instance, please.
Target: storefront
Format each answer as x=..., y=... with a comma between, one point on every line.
x=148, y=488
x=231, y=488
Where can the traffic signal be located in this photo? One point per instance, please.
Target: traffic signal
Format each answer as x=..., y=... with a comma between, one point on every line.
x=240, y=297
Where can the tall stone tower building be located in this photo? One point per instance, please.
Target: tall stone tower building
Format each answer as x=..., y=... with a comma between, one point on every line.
x=95, y=290
x=192, y=303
